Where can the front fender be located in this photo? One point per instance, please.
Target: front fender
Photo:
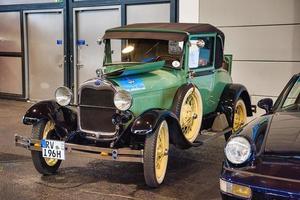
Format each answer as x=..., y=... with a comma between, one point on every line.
x=65, y=118
x=148, y=122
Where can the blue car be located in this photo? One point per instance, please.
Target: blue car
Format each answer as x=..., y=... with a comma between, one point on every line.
x=263, y=158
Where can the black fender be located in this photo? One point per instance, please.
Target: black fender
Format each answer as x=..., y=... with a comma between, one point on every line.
x=65, y=118
x=148, y=122
x=229, y=97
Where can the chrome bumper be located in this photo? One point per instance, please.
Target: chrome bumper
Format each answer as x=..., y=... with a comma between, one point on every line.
x=121, y=154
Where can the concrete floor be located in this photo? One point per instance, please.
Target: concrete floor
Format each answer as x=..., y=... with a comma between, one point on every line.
x=192, y=174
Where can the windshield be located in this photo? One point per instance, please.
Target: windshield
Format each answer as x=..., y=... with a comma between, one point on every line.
x=292, y=101
x=133, y=51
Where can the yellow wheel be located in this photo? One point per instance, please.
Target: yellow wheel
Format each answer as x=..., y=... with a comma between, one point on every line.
x=156, y=155
x=44, y=129
x=240, y=115
x=188, y=108
x=46, y=135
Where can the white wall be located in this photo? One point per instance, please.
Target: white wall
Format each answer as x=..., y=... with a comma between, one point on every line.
x=264, y=38
x=189, y=11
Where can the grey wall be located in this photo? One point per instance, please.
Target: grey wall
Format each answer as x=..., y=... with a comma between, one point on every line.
x=264, y=38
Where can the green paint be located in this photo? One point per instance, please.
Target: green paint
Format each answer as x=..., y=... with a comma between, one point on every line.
x=158, y=84
x=228, y=60
x=126, y=70
x=160, y=88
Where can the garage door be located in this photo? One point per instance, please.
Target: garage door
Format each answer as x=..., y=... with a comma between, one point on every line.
x=44, y=53
x=10, y=42
x=91, y=24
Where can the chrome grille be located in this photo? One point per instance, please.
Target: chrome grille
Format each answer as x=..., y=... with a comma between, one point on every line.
x=96, y=109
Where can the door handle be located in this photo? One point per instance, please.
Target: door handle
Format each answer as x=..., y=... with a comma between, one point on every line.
x=191, y=74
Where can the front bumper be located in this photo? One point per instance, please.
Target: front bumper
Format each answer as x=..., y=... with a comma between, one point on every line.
x=121, y=154
x=262, y=187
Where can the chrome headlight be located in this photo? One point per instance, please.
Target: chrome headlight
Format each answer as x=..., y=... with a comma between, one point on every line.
x=63, y=96
x=123, y=100
x=238, y=150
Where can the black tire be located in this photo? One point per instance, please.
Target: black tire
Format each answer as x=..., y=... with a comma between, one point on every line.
x=178, y=102
x=227, y=135
x=38, y=161
x=149, y=158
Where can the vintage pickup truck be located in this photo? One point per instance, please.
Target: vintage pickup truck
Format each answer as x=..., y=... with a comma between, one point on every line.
x=160, y=84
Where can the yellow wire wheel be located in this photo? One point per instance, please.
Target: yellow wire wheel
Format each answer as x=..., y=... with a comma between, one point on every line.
x=48, y=128
x=190, y=116
x=240, y=115
x=44, y=129
x=156, y=155
x=161, y=152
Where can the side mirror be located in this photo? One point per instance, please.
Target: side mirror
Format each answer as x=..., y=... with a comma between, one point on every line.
x=266, y=104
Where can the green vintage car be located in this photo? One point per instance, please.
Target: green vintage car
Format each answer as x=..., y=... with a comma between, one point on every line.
x=160, y=84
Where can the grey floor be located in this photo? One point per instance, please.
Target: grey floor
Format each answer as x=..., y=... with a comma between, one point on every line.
x=192, y=174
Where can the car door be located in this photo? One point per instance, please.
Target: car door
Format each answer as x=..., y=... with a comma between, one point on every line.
x=200, y=54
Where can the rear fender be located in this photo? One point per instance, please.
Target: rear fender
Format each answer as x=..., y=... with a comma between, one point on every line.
x=148, y=122
x=229, y=97
x=65, y=118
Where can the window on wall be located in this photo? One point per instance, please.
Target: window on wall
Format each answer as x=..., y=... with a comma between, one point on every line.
x=10, y=33
x=201, y=52
x=11, y=2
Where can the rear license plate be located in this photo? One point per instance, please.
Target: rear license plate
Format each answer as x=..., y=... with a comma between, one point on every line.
x=53, y=149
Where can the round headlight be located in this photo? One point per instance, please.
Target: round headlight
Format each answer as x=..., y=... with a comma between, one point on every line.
x=123, y=100
x=238, y=150
x=63, y=96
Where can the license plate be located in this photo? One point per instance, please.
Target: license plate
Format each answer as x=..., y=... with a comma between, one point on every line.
x=53, y=149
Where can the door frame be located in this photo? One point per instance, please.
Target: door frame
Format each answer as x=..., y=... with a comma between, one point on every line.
x=25, y=39
x=75, y=38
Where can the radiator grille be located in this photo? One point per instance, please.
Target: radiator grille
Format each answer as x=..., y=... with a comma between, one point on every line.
x=94, y=97
x=96, y=109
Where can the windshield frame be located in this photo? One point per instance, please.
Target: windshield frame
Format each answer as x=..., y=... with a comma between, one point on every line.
x=107, y=47
x=278, y=106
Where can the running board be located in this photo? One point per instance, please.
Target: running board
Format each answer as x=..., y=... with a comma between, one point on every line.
x=121, y=154
x=206, y=136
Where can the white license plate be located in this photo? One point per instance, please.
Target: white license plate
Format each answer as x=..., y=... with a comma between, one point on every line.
x=53, y=149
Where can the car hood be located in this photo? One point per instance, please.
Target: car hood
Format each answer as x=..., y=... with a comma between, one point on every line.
x=147, y=77
x=122, y=70
x=272, y=173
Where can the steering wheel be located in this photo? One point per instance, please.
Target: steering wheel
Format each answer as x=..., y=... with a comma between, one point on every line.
x=168, y=59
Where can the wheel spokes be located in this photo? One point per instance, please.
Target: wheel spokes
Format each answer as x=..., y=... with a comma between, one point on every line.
x=48, y=128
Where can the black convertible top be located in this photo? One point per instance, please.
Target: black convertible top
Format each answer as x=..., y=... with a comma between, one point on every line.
x=164, y=31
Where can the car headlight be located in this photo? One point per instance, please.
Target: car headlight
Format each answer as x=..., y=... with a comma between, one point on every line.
x=123, y=100
x=63, y=96
x=238, y=150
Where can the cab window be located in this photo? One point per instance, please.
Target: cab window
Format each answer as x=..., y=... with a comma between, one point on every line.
x=201, y=52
